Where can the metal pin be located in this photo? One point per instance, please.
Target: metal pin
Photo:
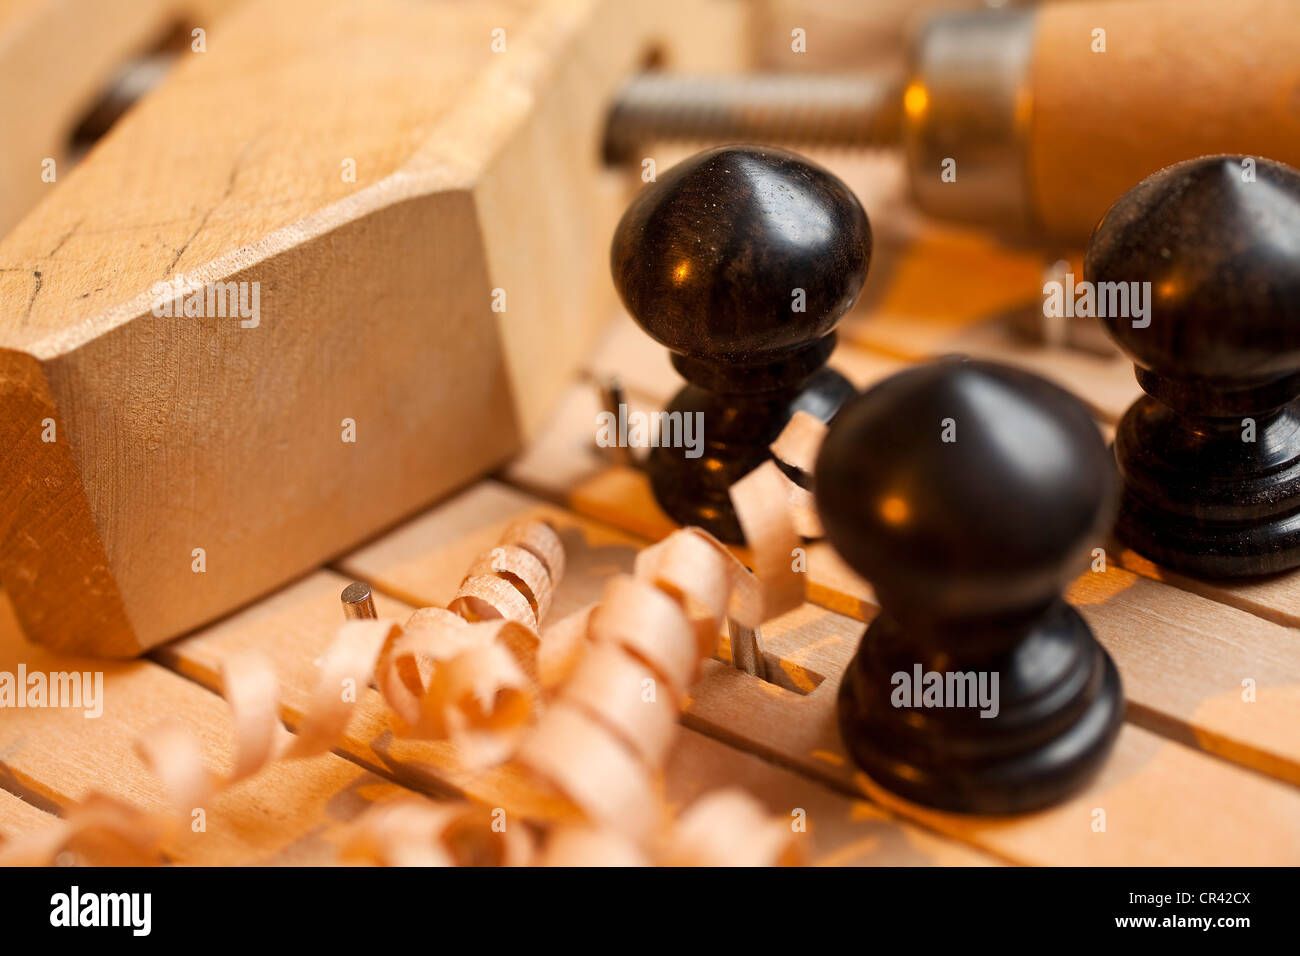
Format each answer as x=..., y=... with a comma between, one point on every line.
x=135, y=80
x=1079, y=334
x=358, y=603
x=614, y=400
x=746, y=655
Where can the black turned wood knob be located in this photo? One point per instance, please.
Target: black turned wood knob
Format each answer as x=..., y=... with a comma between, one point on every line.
x=1210, y=457
x=970, y=494
x=740, y=260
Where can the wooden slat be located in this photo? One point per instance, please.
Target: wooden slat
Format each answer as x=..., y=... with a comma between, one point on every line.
x=296, y=625
x=286, y=814
x=1143, y=777
x=1164, y=805
x=843, y=831
x=1186, y=661
x=18, y=816
x=565, y=453
x=938, y=289
x=1275, y=598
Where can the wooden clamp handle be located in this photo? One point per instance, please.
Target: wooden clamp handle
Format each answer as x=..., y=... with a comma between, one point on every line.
x=1178, y=79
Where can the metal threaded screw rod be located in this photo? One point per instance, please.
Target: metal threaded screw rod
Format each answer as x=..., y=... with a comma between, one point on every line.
x=849, y=111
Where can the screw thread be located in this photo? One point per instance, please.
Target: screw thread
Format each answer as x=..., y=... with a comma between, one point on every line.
x=810, y=110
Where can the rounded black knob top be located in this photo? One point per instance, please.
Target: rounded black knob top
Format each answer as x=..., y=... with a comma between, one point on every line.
x=1218, y=239
x=964, y=489
x=741, y=253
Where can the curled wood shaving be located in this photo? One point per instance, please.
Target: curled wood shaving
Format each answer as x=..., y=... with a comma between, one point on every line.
x=796, y=448
x=730, y=828
x=760, y=503
x=648, y=623
x=413, y=832
x=614, y=720
x=561, y=648
x=590, y=846
x=799, y=442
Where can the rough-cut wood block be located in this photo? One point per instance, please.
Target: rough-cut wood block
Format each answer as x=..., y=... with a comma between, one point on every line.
x=474, y=170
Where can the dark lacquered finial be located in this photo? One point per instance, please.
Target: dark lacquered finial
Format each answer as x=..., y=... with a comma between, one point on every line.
x=970, y=494
x=740, y=260
x=1210, y=458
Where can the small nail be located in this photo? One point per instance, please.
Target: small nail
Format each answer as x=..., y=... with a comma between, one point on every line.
x=745, y=652
x=612, y=400
x=358, y=603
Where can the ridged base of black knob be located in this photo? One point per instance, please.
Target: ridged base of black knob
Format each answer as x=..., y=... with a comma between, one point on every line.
x=1201, y=500
x=1205, y=550
x=737, y=432
x=1060, y=706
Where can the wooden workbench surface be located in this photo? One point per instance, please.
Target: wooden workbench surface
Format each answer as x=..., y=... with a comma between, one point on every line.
x=1200, y=774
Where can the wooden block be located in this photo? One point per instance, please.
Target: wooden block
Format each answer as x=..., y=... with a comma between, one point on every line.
x=55, y=757
x=376, y=208
x=842, y=35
